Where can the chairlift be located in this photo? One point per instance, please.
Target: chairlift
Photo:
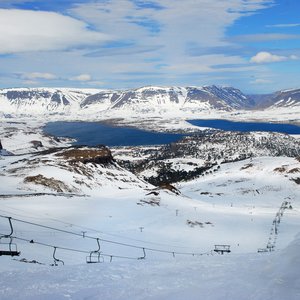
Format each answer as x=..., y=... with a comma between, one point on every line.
x=95, y=256
x=222, y=249
x=262, y=250
x=8, y=249
x=56, y=260
x=144, y=254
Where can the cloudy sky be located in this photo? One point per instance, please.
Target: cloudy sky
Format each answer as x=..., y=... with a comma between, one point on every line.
x=253, y=45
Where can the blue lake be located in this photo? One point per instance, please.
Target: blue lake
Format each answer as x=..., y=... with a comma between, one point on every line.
x=93, y=133
x=247, y=126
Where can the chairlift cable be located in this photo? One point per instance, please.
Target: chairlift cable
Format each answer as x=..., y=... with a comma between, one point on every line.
x=70, y=249
x=105, y=240
x=95, y=230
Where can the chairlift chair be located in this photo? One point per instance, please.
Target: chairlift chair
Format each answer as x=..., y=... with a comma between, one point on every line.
x=9, y=249
x=95, y=256
x=262, y=250
x=56, y=260
x=222, y=249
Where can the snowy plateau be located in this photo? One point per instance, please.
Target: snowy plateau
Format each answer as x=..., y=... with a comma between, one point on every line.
x=213, y=216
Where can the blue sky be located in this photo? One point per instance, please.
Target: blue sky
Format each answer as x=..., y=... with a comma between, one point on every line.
x=253, y=45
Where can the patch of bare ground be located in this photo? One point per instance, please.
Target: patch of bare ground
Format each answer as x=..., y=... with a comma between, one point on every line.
x=170, y=187
x=247, y=166
x=151, y=201
x=101, y=155
x=295, y=170
x=296, y=180
x=197, y=223
x=280, y=169
x=51, y=183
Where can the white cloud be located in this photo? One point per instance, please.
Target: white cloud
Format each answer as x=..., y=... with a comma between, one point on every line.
x=148, y=44
x=82, y=77
x=30, y=82
x=206, y=64
x=267, y=57
x=176, y=26
x=171, y=31
x=96, y=83
x=256, y=38
x=37, y=75
x=26, y=30
x=261, y=81
x=284, y=25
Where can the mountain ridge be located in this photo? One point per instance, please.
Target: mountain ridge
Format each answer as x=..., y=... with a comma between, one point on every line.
x=148, y=99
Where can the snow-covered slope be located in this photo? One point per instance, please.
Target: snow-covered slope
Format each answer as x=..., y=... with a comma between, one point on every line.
x=199, y=155
x=234, y=206
x=71, y=170
x=154, y=244
x=171, y=102
x=242, y=277
x=282, y=99
x=42, y=100
x=288, y=98
x=151, y=99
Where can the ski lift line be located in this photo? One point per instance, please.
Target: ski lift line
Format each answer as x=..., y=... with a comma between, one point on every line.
x=105, y=240
x=47, y=227
x=275, y=228
x=19, y=215
x=94, y=230
x=48, y=245
x=116, y=235
x=71, y=249
x=103, y=254
x=82, y=227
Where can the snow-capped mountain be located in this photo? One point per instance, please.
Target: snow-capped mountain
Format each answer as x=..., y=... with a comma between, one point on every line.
x=42, y=100
x=287, y=98
x=151, y=98
x=175, y=101
x=225, y=98
x=143, y=100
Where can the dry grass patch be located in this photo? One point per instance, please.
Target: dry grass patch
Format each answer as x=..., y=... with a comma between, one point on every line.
x=280, y=169
x=51, y=183
x=98, y=156
x=295, y=170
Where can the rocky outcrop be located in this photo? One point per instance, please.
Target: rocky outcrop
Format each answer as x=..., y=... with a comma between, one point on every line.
x=3, y=152
x=99, y=155
x=51, y=183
